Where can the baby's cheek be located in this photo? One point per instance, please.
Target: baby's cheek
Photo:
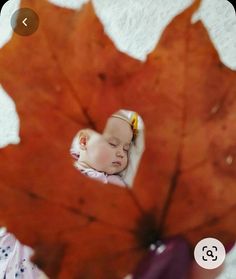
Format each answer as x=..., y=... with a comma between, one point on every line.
x=105, y=157
x=126, y=161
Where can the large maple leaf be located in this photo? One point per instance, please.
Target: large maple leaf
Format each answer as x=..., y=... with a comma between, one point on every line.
x=69, y=75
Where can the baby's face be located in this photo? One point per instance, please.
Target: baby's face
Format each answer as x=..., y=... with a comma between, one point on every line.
x=109, y=152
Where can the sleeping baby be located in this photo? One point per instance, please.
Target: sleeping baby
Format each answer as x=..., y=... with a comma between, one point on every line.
x=104, y=157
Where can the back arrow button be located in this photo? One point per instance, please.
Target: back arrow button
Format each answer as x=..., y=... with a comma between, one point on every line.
x=24, y=22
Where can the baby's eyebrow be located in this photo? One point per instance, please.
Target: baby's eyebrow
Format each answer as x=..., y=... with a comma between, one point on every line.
x=115, y=139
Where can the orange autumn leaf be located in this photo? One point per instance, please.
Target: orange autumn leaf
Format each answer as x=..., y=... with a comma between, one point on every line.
x=68, y=76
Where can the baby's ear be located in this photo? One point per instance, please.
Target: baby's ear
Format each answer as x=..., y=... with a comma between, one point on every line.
x=83, y=137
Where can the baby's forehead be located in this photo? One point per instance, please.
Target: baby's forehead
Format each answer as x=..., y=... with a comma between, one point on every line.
x=117, y=121
x=120, y=127
x=113, y=123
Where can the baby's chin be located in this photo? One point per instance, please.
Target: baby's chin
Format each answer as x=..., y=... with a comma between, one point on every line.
x=114, y=171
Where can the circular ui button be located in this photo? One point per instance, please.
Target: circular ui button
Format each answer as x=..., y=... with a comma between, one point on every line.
x=25, y=22
x=209, y=253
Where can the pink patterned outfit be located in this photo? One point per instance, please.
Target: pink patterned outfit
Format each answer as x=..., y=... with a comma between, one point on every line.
x=15, y=259
x=101, y=176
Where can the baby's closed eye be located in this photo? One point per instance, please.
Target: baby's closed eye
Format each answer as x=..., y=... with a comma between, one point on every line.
x=113, y=144
x=125, y=148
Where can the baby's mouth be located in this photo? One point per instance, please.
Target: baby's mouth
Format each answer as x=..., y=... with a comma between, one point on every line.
x=117, y=164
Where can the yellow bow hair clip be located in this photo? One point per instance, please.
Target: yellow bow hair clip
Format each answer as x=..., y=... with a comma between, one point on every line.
x=134, y=124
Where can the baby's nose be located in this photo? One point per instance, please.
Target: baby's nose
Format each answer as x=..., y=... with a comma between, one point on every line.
x=120, y=154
